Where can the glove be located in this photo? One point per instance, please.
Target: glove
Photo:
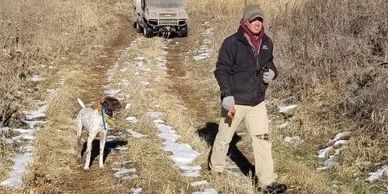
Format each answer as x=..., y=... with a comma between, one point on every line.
x=268, y=76
x=228, y=102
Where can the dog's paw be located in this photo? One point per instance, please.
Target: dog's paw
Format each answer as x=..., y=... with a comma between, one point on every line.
x=86, y=169
x=101, y=166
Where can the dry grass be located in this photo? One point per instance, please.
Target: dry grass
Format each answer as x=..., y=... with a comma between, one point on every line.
x=340, y=45
x=61, y=35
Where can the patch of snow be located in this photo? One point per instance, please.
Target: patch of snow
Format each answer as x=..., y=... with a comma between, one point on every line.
x=136, y=134
x=206, y=191
x=125, y=174
x=204, y=51
x=39, y=113
x=292, y=140
x=155, y=115
x=182, y=154
x=121, y=163
x=199, y=183
x=161, y=62
x=5, y=129
x=378, y=174
x=323, y=153
x=146, y=69
x=24, y=131
x=28, y=136
x=37, y=78
x=121, y=148
x=32, y=124
x=201, y=56
x=287, y=109
x=112, y=92
x=339, y=143
x=158, y=121
x=135, y=190
x=9, y=141
x=168, y=137
x=283, y=126
x=140, y=58
x=191, y=171
x=21, y=162
x=51, y=92
x=339, y=136
x=336, y=144
x=144, y=83
x=132, y=119
x=124, y=70
x=28, y=148
x=329, y=163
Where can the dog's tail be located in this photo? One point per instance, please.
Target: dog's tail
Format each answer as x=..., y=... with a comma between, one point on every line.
x=81, y=103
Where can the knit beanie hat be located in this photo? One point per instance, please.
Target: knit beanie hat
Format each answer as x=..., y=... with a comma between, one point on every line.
x=252, y=12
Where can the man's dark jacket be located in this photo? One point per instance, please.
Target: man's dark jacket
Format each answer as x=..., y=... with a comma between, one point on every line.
x=239, y=71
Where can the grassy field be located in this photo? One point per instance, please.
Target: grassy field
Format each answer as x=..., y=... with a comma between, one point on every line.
x=330, y=55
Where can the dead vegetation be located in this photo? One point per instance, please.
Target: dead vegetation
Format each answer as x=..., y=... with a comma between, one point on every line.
x=332, y=53
x=331, y=56
x=52, y=39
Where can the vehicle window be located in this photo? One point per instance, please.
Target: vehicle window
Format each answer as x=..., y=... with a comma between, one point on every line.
x=166, y=3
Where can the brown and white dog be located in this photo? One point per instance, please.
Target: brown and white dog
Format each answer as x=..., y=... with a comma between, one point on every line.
x=95, y=121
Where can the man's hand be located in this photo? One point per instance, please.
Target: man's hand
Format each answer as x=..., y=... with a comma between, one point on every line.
x=232, y=112
x=268, y=76
x=228, y=102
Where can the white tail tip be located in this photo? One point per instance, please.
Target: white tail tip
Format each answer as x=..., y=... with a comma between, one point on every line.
x=81, y=103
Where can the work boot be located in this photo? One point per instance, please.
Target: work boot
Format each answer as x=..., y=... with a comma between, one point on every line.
x=274, y=188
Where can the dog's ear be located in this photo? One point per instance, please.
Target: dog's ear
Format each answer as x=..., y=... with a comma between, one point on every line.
x=98, y=105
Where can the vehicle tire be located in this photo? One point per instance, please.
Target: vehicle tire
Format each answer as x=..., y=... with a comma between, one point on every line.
x=147, y=32
x=138, y=27
x=183, y=32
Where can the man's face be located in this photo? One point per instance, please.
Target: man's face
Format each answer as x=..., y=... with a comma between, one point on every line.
x=255, y=25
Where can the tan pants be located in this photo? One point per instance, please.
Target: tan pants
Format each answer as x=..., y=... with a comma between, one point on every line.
x=257, y=124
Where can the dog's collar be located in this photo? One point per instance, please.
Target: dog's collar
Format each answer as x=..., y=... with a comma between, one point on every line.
x=108, y=119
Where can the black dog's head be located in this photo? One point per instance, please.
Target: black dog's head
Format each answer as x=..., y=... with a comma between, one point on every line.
x=106, y=109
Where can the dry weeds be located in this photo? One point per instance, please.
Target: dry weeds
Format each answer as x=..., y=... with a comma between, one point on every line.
x=329, y=53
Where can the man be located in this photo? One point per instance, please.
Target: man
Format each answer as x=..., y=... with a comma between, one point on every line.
x=243, y=71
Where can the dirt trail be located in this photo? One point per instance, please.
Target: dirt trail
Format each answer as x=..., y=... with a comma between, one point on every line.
x=181, y=85
x=99, y=67
x=95, y=180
